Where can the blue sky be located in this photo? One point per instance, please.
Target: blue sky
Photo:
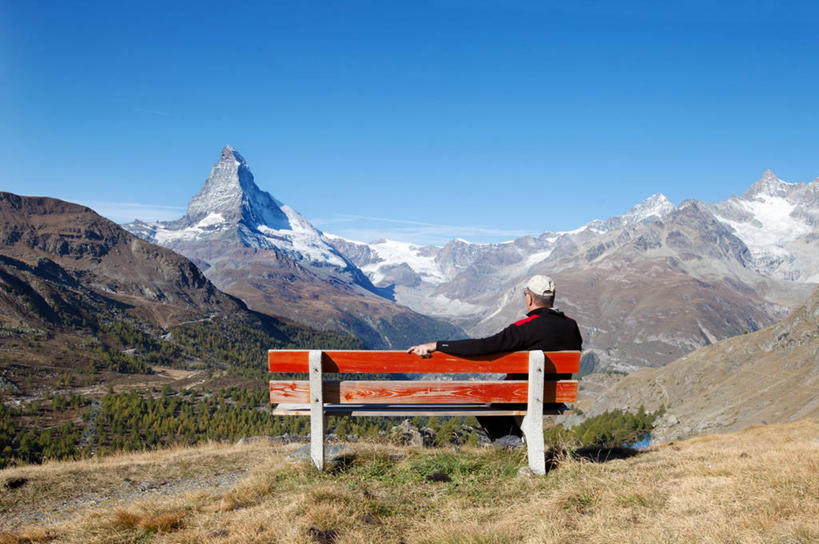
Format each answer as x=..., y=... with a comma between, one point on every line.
x=420, y=121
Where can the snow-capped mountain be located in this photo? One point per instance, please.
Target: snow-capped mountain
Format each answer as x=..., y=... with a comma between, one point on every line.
x=646, y=286
x=421, y=275
x=256, y=248
x=779, y=222
x=654, y=208
x=230, y=204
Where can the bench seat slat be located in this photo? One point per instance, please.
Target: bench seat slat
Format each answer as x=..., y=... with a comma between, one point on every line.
x=410, y=410
x=416, y=392
x=557, y=362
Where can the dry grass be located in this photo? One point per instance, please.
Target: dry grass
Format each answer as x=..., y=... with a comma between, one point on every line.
x=161, y=522
x=758, y=485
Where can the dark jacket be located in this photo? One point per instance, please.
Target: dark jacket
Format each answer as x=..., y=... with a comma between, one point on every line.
x=545, y=329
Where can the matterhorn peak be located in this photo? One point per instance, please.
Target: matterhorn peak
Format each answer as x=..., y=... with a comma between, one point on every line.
x=231, y=193
x=231, y=206
x=230, y=154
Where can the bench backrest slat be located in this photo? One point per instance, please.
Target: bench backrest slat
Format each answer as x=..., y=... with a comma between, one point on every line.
x=417, y=392
x=387, y=362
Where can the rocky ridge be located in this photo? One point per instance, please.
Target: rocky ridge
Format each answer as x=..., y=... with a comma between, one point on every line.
x=646, y=287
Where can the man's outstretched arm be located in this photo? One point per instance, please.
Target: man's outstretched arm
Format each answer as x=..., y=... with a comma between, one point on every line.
x=509, y=339
x=424, y=350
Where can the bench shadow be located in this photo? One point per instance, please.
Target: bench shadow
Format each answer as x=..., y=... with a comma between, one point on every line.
x=598, y=454
x=592, y=454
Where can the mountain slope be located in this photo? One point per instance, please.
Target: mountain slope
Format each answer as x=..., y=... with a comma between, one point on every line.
x=771, y=375
x=646, y=287
x=73, y=247
x=82, y=300
x=260, y=250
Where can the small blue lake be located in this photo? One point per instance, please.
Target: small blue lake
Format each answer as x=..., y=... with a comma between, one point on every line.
x=644, y=443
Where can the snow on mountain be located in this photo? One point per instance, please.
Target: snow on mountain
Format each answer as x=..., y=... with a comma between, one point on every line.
x=778, y=221
x=656, y=206
x=770, y=223
x=537, y=257
x=420, y=259
x=647, y=285
x=303, y=239
x=653, y=208
x=231, y=203
x=262, y=251
x=383, y=260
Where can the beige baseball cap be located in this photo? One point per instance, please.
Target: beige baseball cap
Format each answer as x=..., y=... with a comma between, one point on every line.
x=542, y=286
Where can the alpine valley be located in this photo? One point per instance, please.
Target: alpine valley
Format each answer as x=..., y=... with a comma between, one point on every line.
x=94, y=322
x=80, y=296
x=646, y=287
x=262, y=251
x=108, y=318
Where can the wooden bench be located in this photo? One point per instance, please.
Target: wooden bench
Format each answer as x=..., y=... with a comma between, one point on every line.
x=549, y=386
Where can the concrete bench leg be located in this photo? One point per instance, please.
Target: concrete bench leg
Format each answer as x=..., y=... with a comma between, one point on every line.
x=317, y=420
x=532, y=426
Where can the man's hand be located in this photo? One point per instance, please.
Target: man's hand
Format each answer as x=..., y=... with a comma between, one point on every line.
x=423, y=350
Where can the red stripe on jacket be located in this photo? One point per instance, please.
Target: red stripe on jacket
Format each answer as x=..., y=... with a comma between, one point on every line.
x=528, y=319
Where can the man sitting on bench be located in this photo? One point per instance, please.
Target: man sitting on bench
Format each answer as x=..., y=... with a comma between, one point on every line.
x=545, y=328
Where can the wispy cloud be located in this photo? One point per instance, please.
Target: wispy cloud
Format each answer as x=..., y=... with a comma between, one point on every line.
x=124, y=212
x=368, y=229
x=353, y=227
x=153, y=112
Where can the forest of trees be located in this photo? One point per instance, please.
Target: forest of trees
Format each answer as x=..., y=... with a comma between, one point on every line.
x=33, y=445
x=55, y=427
x=239, y=347
x=70, y=426
x=609, y=429
x=138, y=421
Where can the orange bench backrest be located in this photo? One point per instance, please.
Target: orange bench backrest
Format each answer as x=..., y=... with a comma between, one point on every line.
x=400, y=362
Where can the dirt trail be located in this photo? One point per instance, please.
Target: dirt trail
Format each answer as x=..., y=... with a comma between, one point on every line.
x=57, y=492
x=129, y=491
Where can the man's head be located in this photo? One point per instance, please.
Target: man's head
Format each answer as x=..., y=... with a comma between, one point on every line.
x=539, y=292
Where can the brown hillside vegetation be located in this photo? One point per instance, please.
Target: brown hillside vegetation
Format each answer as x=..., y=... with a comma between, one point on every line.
x=758, y=485
x=85, y=305
x=766, y=376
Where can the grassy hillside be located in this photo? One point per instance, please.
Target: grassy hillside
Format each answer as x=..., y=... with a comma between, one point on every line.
x=765, y=376
x=758, y=485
